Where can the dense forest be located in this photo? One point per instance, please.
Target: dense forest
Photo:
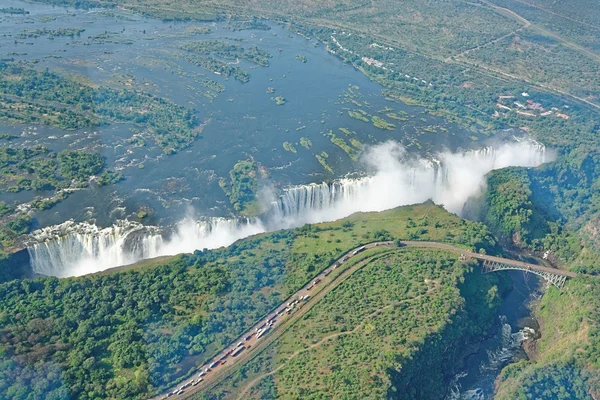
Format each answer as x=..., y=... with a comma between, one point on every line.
x=378, y=334
x=456, y=59
x=127, y=334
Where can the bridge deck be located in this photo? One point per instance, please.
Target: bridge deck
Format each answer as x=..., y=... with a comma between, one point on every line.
x=484, y=257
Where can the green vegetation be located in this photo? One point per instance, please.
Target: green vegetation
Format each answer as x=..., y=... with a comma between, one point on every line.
x=347, y=131
x=219, y=67
x=49, y=33
x=396, y=325
x=29, y=96
x=341, y=143
x=13, y=11
x=248, y=25
x=289, y=147
x=398, y=116
x=127, y=334
x=109, y=177
x=356, y=143
x=37, y=168
x=243, y=187
x=322, y=158
x=305, y=142
x=279, y=100
x=381, y=123
x=359, y=115
x=228, y=51
x=213, y=85
x=79, y=165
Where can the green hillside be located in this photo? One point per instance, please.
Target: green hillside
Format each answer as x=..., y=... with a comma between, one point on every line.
x=128, y=333
x=396, y=328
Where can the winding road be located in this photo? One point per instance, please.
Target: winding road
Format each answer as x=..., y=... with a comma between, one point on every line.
x=270, y=327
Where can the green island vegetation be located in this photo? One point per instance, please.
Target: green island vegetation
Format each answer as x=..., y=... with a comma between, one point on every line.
x=46, y=18
x=341, y=143
x=30, y=96
x=322, y=158
x=398, y=116
x=49, y=33
x=287, y=146
x=356, y=143
x=36, y=169
x=110, y=177
x=108, y=38
x=131, y=332
x=279, y=100
x=347, y=131
x=248, y=25
x=381, y=123
x=359, y=115
x=198, y=30
x=13, y=11
x=219, y=67
x=305, y=142
x=212, y=85
x=301, y=58
x=243, y=187
x=228, y=51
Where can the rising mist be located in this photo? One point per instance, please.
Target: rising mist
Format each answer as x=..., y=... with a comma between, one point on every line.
x=394, y=178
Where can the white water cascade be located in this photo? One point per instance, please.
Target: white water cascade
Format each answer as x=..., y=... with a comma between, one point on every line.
x=497, y=357
x=448, y=179
x=74, y=249
x=395, y=179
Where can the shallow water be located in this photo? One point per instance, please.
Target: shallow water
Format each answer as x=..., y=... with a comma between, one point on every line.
x=242, y=122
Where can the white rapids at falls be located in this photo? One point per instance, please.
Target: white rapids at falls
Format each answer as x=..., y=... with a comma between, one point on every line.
x=395, y=179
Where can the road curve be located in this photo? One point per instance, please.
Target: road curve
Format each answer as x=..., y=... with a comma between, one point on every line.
x=272, y=321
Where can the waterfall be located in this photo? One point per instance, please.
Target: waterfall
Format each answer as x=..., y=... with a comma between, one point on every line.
x=395, y=179
x=80, y=248
x=74, y=249
x=448, y=179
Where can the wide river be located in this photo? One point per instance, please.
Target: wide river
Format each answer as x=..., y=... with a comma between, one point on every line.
x=244, y=122
x=240, y=123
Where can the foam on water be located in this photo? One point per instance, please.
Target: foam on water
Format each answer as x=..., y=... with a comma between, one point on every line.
x=395, y=179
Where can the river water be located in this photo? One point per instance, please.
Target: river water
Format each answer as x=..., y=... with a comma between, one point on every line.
x=514, y=325
x=241, y=122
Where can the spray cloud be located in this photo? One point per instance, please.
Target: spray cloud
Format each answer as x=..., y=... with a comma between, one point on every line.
x=396, y=178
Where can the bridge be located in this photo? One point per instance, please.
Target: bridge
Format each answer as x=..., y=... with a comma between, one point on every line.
x=557, y=277
x=557, y=280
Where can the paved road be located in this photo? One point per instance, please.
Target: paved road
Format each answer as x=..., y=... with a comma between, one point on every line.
x=234, y=353
x=484, y=257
